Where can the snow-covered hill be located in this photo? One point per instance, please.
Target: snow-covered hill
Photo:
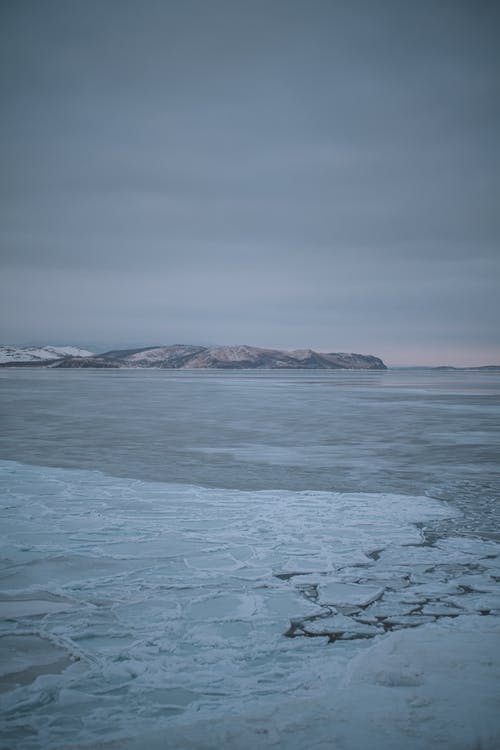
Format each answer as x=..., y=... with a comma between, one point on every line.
x=225, y=357
x=187, y=356
x=11, y=354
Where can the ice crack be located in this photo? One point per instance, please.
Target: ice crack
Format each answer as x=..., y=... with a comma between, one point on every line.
x=357, y=608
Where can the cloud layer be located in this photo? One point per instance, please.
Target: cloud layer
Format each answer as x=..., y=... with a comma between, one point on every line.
x=278, y=174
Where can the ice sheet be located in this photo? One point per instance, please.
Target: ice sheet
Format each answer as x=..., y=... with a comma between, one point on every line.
x=241, y=619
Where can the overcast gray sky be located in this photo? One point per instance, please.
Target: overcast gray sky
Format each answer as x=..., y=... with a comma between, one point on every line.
x=283, y=173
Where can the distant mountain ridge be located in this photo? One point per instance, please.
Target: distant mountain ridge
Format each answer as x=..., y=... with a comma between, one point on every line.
x=186, y=356
x=183, y=356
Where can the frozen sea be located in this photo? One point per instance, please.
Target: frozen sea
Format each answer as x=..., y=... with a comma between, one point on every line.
x=301, y=560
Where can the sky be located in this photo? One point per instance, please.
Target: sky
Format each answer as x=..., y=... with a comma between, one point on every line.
x=282, y=173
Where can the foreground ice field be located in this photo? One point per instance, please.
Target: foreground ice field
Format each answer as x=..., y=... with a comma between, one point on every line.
x=137, y=614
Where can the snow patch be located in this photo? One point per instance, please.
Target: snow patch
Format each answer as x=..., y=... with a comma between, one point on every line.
x=40, y=353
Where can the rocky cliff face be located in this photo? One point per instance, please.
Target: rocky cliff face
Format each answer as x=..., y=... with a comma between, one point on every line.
x=225, y=357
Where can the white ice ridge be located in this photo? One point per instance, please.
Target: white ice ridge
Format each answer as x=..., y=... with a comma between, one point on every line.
x=169, y=606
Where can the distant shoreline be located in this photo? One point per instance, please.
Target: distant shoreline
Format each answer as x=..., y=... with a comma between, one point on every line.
x=197, y=357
